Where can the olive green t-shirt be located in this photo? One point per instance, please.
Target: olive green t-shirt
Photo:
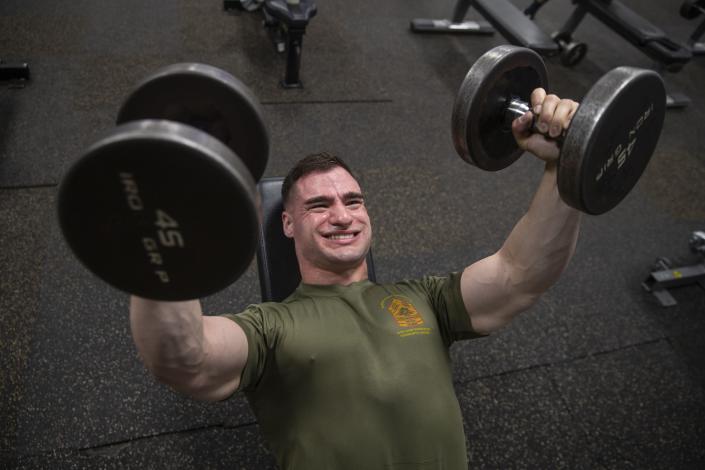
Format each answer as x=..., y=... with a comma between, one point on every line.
x=358, y=377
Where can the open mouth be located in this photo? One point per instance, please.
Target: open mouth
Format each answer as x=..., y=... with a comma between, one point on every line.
x=341, y=236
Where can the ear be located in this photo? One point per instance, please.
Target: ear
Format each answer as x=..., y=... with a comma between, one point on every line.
x=288, y=224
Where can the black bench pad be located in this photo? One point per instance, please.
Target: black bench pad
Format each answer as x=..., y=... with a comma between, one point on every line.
x=519, y=29
x=638, y=31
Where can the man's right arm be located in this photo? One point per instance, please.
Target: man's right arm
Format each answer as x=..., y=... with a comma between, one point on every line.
x=198, y=355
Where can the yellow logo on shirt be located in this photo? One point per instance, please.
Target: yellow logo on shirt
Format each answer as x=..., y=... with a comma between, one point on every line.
x=406, y=315
x=403, y=311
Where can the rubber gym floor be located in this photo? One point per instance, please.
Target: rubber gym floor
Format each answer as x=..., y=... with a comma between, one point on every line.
x=597, y=375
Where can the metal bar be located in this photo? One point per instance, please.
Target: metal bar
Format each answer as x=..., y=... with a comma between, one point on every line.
x=293, y=58
x=460, y=10
x=573, y=21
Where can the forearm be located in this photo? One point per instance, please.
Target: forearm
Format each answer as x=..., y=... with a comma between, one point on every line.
x=169, y=337
x=543, y=241
x=497, y=288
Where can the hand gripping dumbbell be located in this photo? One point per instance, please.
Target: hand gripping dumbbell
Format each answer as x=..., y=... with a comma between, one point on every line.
x=604, y=151
x=165, y=205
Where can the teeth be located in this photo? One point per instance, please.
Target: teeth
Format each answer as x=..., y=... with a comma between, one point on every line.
x=341, y=237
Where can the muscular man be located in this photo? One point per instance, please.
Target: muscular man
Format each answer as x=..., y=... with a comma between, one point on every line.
x=346, y=373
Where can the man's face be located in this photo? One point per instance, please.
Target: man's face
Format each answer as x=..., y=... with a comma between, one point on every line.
x=327, y=218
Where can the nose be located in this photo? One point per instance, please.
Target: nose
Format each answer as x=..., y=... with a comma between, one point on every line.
x=339, y=215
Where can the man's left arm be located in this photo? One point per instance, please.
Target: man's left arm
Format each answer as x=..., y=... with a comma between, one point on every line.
x=538, y=249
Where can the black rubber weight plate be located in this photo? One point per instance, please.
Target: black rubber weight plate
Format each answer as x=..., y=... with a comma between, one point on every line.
x=611, y=139
x=161, y=210
x=479, y=134
x=207, y=98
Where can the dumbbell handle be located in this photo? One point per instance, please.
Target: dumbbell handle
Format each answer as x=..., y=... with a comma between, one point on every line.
x=517, y=108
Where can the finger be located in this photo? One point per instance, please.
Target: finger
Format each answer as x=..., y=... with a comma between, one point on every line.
x=548, y=108
x=537, y=97
x=561, y=117
x=521, y=128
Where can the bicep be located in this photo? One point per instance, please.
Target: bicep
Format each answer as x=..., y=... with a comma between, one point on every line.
x=491, y=293
x=226, y=349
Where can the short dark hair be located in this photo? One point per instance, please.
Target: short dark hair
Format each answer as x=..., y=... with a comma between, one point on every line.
x=317, y=162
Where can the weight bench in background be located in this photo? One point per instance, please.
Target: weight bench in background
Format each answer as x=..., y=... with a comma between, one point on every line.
x=286, y=22
x=502, y=15
x=690, y=10
x=520, y=30
x=669, y=55
x=279, y=273
x=664, y=275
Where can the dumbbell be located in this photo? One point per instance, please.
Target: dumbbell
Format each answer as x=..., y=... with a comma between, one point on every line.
x=604, y=151
x=165, y=205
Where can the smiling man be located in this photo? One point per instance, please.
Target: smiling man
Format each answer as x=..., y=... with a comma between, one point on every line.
x=326, y=216
x=346, y=373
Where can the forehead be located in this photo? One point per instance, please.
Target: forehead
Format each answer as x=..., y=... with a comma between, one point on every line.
x=333, y=182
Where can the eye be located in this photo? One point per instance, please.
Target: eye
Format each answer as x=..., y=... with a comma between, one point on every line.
x=355, y=203
x=320, y=207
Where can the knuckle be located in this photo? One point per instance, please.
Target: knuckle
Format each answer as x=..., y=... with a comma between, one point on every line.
x=552, y=97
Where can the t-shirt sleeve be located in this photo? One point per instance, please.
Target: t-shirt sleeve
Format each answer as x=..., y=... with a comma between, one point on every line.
x=261, y=335
x=447, y=302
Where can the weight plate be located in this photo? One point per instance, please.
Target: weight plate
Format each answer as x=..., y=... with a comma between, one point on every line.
x=611, y=138
x=501, y=74
x=161, y=210
x=209, y=99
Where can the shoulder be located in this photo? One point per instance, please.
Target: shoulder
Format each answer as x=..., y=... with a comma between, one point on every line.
x=428, y=284
x=273, y=313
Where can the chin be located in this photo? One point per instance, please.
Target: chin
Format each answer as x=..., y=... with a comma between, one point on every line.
x=347, y=260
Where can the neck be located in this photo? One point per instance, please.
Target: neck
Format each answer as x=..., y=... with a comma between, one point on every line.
x=319, y=276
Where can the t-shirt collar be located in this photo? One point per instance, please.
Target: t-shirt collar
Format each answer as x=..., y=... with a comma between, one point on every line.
x=331, y=289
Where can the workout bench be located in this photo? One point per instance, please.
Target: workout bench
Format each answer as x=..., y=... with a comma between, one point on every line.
x=502, y=15
x=690, y=10
x=665, y=275
x=651, y=40
x=286, y=22
x=520, y=30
